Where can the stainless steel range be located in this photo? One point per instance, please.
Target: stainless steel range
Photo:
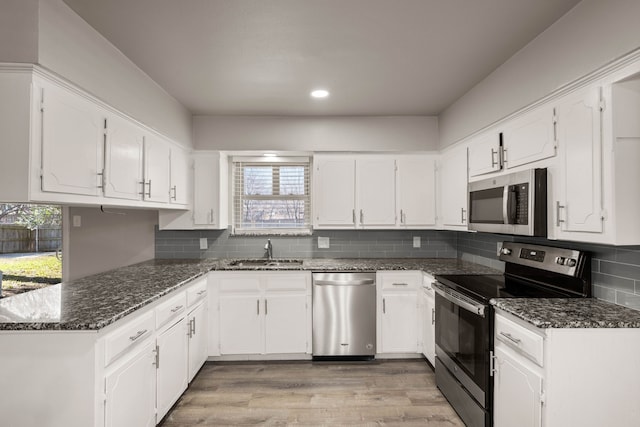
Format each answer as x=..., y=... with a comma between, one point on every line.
x=464, y=318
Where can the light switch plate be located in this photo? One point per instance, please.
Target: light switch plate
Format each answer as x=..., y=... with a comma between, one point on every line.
x=204, y=244
x=416, y=241
x=77, y=221
x=323, y=243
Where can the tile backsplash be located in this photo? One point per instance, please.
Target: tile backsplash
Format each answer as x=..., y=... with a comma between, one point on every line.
x=342, y=244
x=615, y=270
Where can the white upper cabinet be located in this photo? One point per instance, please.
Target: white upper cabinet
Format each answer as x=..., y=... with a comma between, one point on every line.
x=376, y=192
x=334, y=191
x=485, y=154
x=453, y=188
x=416, y=190
x=123, y=169
x=180, y=176
x=72, y=136
x=156, y=169
x=578, y=206
x=62, y=145
x=529, y=137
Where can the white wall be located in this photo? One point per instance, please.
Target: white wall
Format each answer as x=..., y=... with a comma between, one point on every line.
x=414, y=133
x=105, y=240
x=590, y=35
x=19, y=31
x=73, y=49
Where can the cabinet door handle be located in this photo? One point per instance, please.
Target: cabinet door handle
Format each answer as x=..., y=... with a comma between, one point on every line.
x=157, y=359
x=433, y=316
x=211, y=215
x=258, y=307
x=558, y=220
x=384, y=305
x=462, y=212
x=353, y=215
x=361, y=217
x=265, y=307
x=403, y=217
x=149, y=193
x=204, y=291
x=510, y=338
x=176, y=308
x=494, y=160
x=138, y=334
x=175, y=193
x=193, y=326
x=400, y=284
x=144, y=186
x=101, y=175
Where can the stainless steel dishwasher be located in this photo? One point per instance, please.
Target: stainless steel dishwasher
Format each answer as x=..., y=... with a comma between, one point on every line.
x=344, y=314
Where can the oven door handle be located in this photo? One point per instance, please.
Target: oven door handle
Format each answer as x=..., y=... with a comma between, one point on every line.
x=460, y=300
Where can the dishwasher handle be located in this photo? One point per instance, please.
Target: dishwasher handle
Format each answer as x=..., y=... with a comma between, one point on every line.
x=356, y=282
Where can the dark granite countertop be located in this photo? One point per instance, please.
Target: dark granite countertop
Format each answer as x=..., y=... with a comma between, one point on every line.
x=429, y=265
x=93, y=302
x=569, y=312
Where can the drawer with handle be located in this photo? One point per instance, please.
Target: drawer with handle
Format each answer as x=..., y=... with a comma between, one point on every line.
x=125, y=337
x=170, y=309
x=400, y=281
x=520, y=338
x=197, y=291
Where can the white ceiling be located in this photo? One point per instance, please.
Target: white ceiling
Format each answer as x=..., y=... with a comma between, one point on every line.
x=263, y=57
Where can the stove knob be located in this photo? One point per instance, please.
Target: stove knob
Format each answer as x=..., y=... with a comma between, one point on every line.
x=505, y=251
x=560, y=260
x=570, y=262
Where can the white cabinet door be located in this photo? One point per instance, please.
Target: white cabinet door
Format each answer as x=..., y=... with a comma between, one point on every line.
x=579, y=207
x=180, y=176
x=399, y=323
x=416, y=191
x=334, y=191
x=173, y=359
x=517, y=391
x=429, y=325
x=241, y=324
x=484, y=154
x=210, y=190
x=131, y=391
x=72, y=141
x=198, y=333
x=285, y=326
x=123, y=167
x=529, y=138
x=376, y=191
x=156, y=169
x=453, y=187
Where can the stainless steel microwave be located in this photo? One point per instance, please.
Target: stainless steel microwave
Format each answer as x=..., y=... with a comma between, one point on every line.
x=510, y=204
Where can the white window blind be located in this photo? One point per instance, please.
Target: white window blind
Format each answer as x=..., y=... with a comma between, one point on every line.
x=271, y=195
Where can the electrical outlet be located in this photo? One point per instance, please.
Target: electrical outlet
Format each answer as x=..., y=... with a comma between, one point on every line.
x=323, y=243
x=77, y=221
x=204, y=244
x=416, y=241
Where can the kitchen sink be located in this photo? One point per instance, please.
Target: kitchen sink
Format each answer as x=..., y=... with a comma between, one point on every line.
x=275, y=263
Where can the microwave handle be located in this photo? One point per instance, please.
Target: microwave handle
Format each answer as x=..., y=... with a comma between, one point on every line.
x=512, y=205
x=506, y=194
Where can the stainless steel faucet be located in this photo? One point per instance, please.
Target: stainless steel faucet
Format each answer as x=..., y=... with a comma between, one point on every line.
x=269, y=248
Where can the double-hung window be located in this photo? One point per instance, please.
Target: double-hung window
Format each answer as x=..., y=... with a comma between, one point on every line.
x=271, y=195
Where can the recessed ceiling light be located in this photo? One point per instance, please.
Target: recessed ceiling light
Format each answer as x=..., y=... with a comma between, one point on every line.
x=320, y=93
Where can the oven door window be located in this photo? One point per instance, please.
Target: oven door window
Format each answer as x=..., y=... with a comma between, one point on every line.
x=486, y=206
x=464, y=336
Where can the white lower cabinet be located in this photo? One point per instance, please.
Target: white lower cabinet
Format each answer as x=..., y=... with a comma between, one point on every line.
x=197, y=325
x=428, y=318
x=517, y=392
x=172, y=364
x=565, y=377
x=130, y=390
x=398, y=311
x=261, y=313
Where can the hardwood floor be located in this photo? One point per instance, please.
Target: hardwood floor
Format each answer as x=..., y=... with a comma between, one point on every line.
x=377, y=393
